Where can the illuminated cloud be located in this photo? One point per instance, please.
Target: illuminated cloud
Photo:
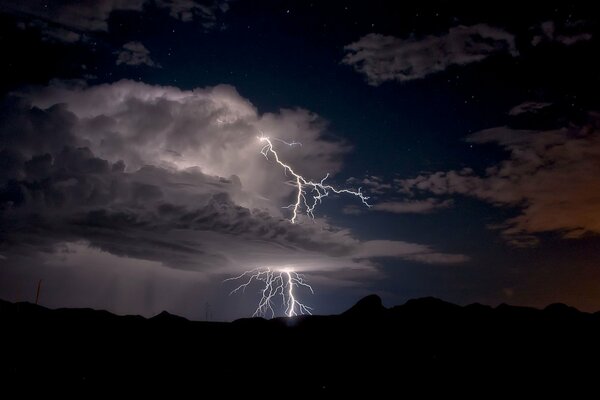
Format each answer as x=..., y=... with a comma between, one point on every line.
x=171, y=177
x=214, y=129
x=550, y=177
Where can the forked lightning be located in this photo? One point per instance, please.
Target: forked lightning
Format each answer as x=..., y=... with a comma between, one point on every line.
x=317, y=190
x=280, y=283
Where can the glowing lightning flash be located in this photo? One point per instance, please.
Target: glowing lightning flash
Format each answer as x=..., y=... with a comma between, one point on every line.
x=277, y=283
x=282, y=282
x=318, y=189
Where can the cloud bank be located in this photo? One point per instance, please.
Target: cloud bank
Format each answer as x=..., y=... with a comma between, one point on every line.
x=172, y=177
x=550, y=177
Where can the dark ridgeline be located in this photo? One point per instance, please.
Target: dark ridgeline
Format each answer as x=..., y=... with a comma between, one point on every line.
x=424, y=347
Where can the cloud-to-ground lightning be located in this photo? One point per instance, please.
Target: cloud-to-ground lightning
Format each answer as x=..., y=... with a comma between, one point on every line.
x=278, y=283
x=318, y=190
x=281, y=283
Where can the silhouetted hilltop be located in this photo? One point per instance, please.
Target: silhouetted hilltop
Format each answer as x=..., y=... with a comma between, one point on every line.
x=369, y=306
x=168, y=318
x=425, y=345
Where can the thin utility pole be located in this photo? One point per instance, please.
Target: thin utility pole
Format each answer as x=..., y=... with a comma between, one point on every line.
x=37, y=295
x=208, y=312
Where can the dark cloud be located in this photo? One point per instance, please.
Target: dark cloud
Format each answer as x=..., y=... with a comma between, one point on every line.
x=21, y=127
x=372, y=184
x=550, y=177
x=409, y=251
x=567, y=33
x=51, y=32
x=382, y=198
x=77, y=275
x=70, y=21
x=424, y=206
x=135, y=53
x=187, y=10
x=528, y=107
x=152, y=213
x=168, y=176
x=384, y=58
x=87, y=15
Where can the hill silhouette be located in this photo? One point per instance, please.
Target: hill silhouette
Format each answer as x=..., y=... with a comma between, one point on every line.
x=426, y=346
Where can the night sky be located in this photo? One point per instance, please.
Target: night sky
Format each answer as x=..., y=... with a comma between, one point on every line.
x=131, y=174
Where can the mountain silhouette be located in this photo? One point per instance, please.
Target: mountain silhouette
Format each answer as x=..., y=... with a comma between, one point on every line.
x=167, y=318
x=426, y=346
x=370, y=306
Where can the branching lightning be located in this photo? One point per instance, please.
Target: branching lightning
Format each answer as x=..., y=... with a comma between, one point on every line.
x=282, y=283
x=318, y=190
x=278, y=283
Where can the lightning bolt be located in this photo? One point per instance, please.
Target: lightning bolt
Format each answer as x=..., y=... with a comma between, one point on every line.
x=318, y=190
x=277, y=283
x=281, y=283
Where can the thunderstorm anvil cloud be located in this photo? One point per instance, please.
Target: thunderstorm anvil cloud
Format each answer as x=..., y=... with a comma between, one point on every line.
x=171, y=177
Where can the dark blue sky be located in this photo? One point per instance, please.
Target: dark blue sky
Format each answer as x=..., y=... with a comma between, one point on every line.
x=445, y=71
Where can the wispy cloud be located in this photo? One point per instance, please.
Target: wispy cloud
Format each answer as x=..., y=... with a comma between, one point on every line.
x=384, y=58
x=135, y=53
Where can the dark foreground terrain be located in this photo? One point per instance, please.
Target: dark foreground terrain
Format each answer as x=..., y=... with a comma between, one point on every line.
x=424, y=347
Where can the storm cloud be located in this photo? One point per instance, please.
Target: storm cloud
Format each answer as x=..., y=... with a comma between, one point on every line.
x=172, y=177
